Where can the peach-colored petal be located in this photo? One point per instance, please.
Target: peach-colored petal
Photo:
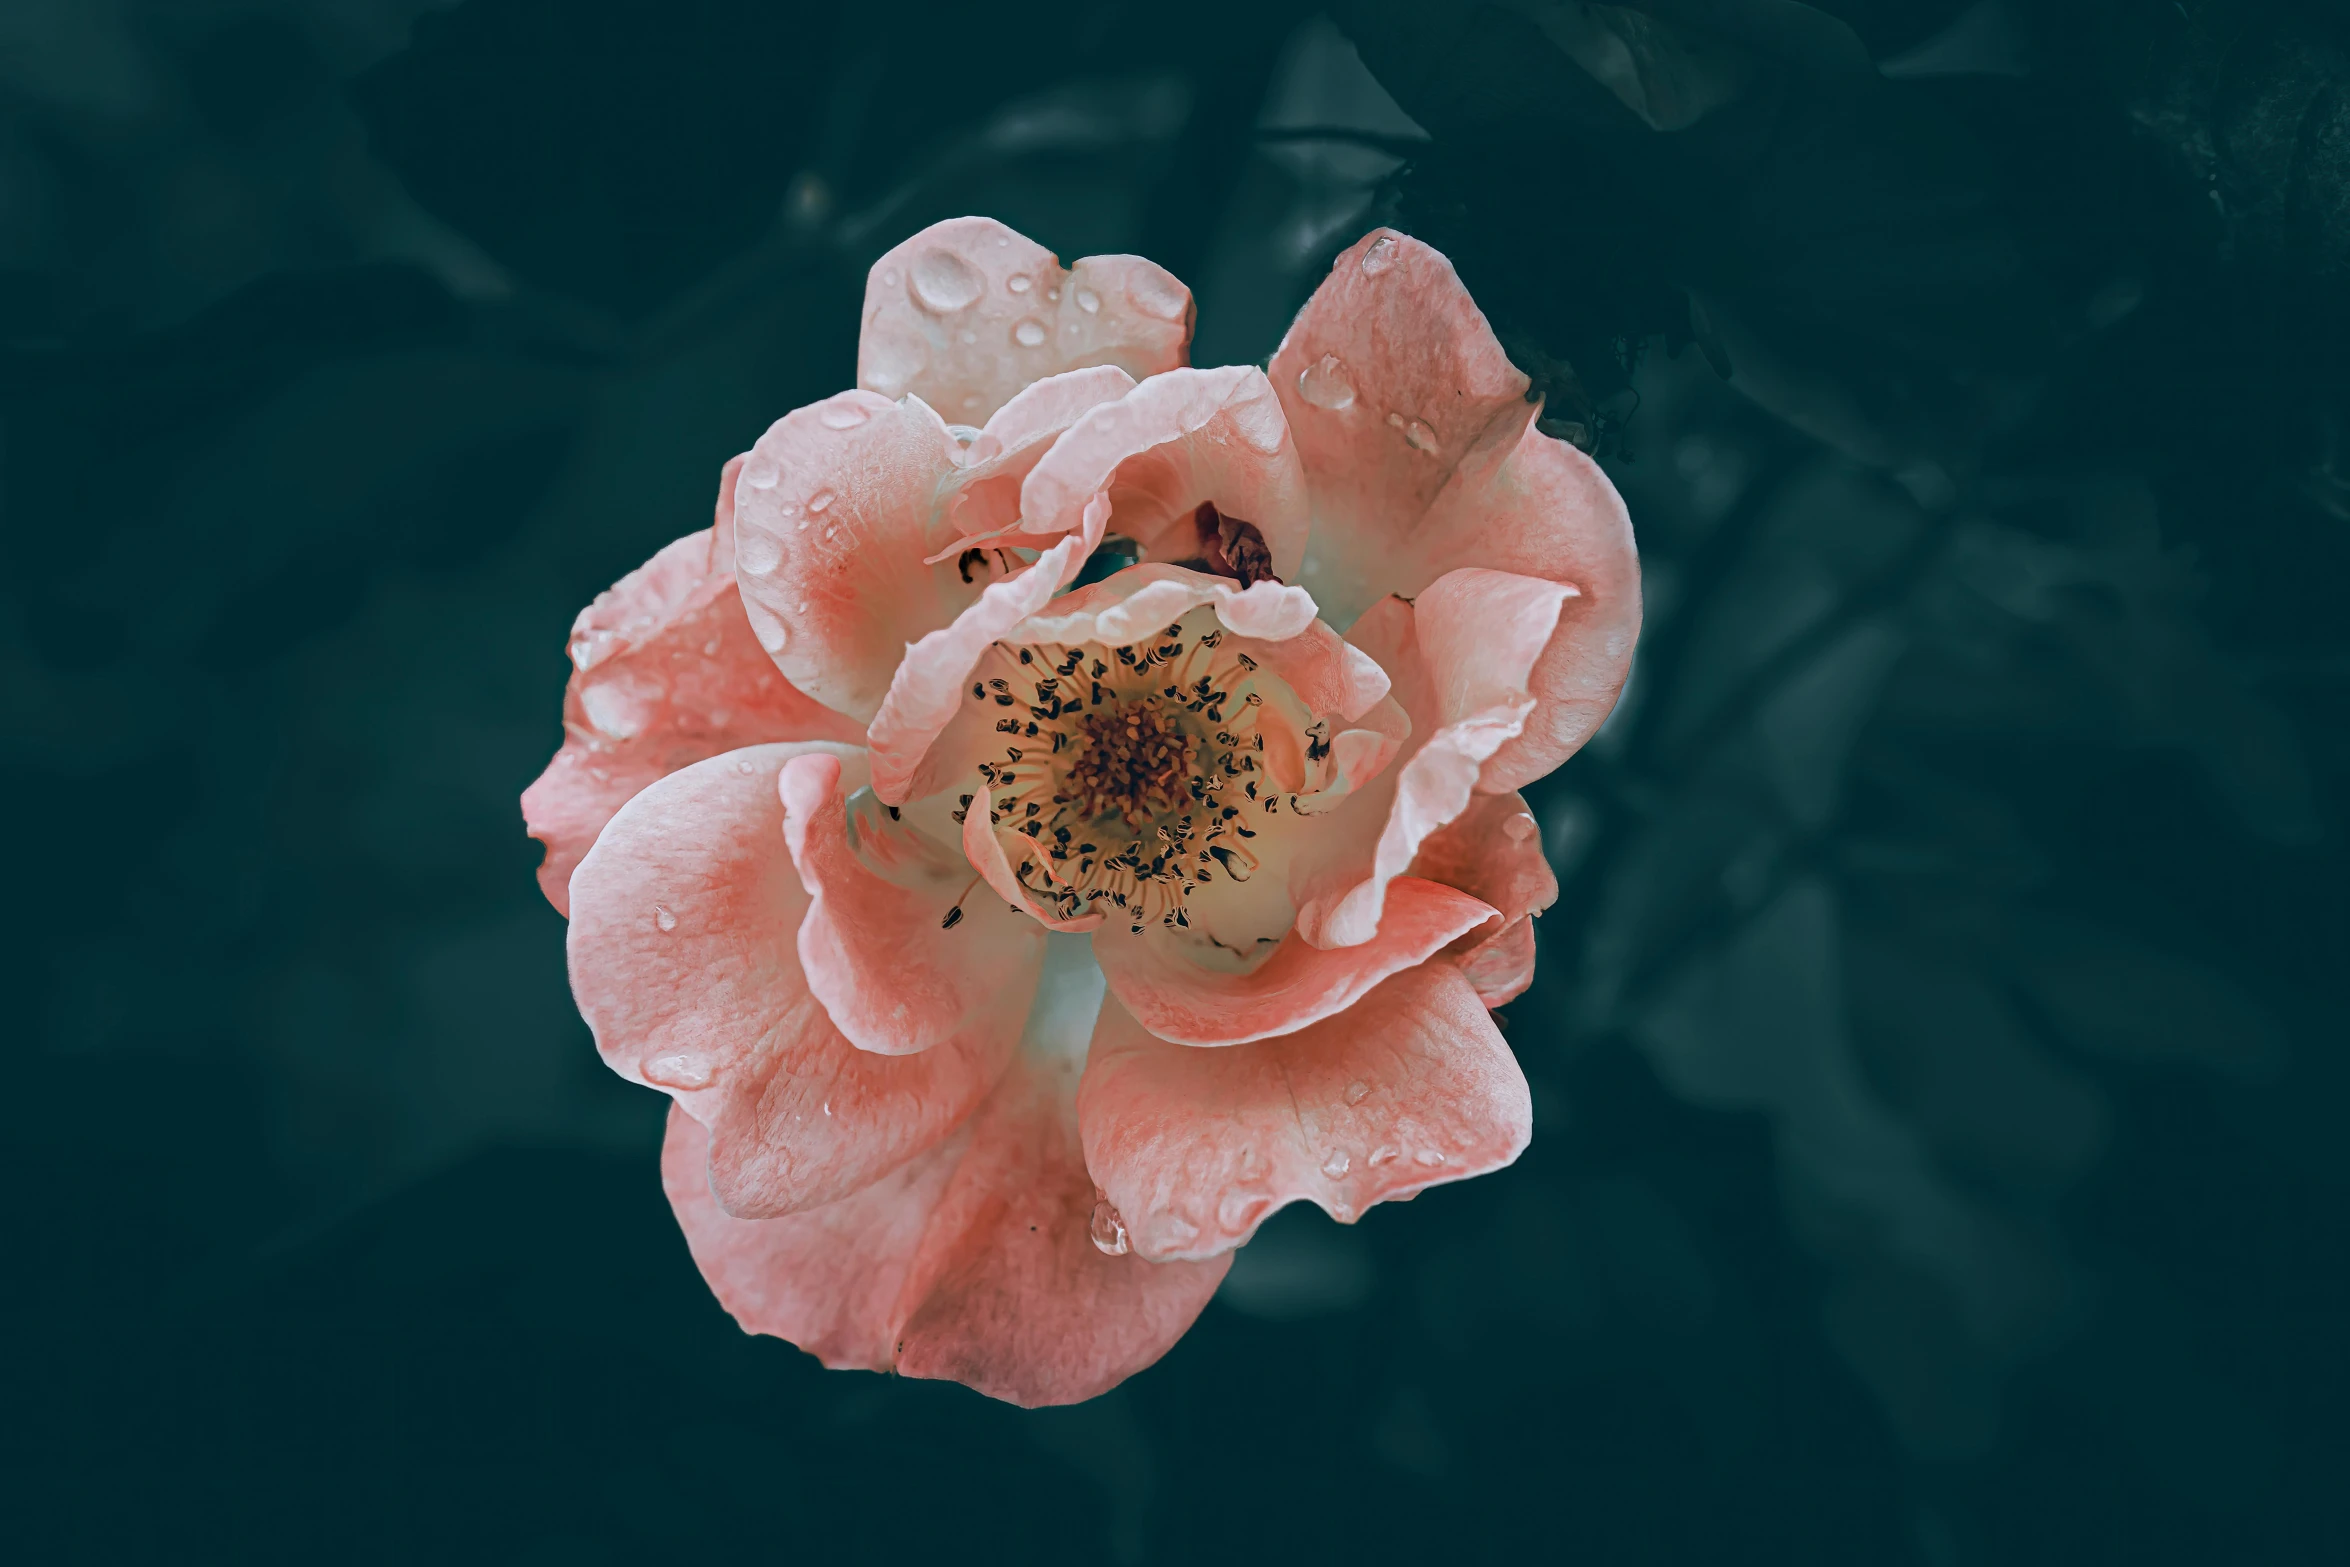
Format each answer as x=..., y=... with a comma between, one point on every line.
x=1174, y=992
x=926, y=690
x=972, y=1262
x=665, y=672
x=985, y=502
x=1175, y=441
x=683, y=961
x=967, y=312
x=1462, y=659
x=986, y=853
x=839, y=511
x=1018, y=1301
x=1493, y=851
x=1421, y=456
x=895, y=968
x=1411, y=1087
x=1134, y=603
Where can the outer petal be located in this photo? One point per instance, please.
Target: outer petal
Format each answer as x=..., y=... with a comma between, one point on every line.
x=683, y=961
x=893, y=973
x=1493, y=851
x=665, y=671
x=1411, y=1087
x=840, y=508
x=1421, y=455
x=1462, y=659
x=1161, y=980
x=1137, y=601
x=967, y=312
x=972, y=1262
x=986, y=500
x=1173, y=442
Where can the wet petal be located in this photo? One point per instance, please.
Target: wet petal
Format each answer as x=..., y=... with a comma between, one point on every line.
x=1411, y=1087
x=967, y=312
x=1175, y=986
x=683, y=961
x=1493, y=851
x=839, y=510
x=1175, y=441
x=665, y=672
x=894, y=966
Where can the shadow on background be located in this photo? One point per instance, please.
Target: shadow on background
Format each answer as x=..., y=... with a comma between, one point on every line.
x=1937, y=1057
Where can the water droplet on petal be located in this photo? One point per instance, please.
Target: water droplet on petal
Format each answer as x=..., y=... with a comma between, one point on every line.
x=663, y=918
x=763, y=477
x=1018, y=284
x=1518, y=828
x=889, y=279
x=1419, y=436
x=1430, y=1157
x=842, y=416
x=771, y=632
x=1357, y=1091
x=1324, y=384
x=828, y=1107
x=819, y=501
x=745, y=768
x=1385, y=1153
x=710, y=648
x=1107, y=1230
x=757, y=553
x=685, y=1069
x=1088, y=301
x=944, y=282
x=1028, y=333
x=1337, y=1164
x=1380, y=256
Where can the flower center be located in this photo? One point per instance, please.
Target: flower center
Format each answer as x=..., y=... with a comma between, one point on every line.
x=1131, y=774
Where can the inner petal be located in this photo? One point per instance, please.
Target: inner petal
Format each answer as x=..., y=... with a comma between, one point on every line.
x=1151, y=780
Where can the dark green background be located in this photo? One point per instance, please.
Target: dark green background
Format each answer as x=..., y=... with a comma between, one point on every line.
x=1938, y=1050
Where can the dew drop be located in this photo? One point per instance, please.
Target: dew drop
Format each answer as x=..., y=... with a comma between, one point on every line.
x=757, y=553
x=1337, y=1164
x=828, y=1107
x=1518, y=828
x=819, y=501
x=1324, y=384
x=663, y=918
x=944, y=282
x=1380, y=256
x=889, y=279
x=1053, y=294
x=745, y=768
x=1018, y=284
x=1088, y=301
x=970, y=336
x=1430, y=1157
x=763, y=477
x=1107, y=1229
x=1357, y=1091
x=771, y=632
x=1419, y=436
x=685, y=1069
x=1385, y=1153
x=1028, y=333
x=710, y=648
x=842, y=416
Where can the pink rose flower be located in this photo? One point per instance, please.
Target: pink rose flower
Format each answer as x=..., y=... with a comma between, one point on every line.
x=1065, y=808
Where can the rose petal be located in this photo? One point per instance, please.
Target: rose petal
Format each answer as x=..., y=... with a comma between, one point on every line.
x=986, y=494
x=1493, y=851
x=1461, y=658
x=947, y=317
x=926, y=691
x=1175, y=441
x=972, y=1262
x=683, y=960
x=1409, y=1088
x=986, y=853
x=838, y=514
x=1163, y=982
x=665, y=673
x=1429, y=462
x=895, y=976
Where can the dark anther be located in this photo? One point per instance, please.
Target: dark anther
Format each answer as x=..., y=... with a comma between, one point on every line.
x=1232, y=548
x=955, y=914
x=964, y=560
